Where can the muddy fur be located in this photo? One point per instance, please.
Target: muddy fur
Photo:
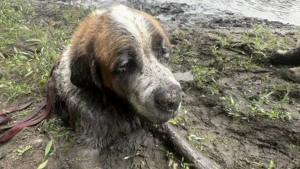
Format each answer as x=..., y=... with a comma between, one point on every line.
x=90, y=114
x=113, y=77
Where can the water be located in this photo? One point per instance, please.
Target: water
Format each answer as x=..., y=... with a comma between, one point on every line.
x=286, y=11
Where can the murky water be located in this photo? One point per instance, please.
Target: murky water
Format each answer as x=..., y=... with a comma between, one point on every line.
x=286, y=11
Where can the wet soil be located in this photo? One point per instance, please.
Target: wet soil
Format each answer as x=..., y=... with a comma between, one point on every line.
x=235, y=115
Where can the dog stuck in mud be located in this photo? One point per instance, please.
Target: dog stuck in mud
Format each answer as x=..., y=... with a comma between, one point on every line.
x=113, y=77
x=114, y=80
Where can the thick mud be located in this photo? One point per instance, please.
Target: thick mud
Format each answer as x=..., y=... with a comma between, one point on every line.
x=238, y=110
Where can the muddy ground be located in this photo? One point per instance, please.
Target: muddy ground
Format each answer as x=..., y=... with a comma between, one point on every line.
x=239, y=109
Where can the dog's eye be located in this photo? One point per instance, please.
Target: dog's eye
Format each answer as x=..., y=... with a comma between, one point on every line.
x=160, y=49
x=165, y=58
x=164, y=54
x=125, y=66
x=122, y=66
x=125, y=61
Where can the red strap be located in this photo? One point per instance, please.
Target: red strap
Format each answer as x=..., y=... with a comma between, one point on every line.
x=18, y=127
x=15, y=108
x=34, y=117
x=4, y=118
x=28, y=117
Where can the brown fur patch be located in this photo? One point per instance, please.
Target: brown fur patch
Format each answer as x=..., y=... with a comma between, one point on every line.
x=95, y=33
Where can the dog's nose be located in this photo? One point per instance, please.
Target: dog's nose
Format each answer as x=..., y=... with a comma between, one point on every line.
x=168, y=98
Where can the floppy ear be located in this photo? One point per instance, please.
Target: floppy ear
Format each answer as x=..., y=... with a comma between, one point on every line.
x=85, y=72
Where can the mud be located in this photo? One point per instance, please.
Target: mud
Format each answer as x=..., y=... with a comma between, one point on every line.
x=233, y=113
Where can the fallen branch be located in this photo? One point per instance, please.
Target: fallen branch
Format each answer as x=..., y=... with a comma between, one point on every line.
x=183, y=147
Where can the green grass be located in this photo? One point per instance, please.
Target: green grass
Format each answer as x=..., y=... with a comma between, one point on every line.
x=22, y=150
x=204, y=76
x=181, y=120
x=263, y=106
x=59, y=136
x=13, y=89
x=231, y=106
x=258, y=40
x=200, y=139
x=30, y=41
x=173, y=162
x=258, y=107
x=184, y=48
x=247, y=52
x=31, y=38
x=264, y=38
x=243, y=52
x=55, y=130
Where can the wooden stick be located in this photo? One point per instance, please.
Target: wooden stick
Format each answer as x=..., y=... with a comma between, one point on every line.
x=184, y=148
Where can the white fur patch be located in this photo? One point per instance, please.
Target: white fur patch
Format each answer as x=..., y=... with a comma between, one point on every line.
x=135, y=23
x=98, y=12
x=65, y=74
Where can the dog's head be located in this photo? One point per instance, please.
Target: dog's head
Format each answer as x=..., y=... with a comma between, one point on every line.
x=126, y=51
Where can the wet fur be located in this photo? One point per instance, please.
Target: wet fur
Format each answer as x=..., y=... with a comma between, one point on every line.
x=102, y=101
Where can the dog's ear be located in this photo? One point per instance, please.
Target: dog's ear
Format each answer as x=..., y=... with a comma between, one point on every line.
x=85, y=72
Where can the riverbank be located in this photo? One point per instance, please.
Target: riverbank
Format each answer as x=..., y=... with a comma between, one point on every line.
x=239, y=110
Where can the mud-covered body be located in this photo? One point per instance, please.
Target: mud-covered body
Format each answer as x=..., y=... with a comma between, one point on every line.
x=114, y=76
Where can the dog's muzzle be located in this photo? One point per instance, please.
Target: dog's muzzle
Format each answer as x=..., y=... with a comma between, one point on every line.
x=168, y=98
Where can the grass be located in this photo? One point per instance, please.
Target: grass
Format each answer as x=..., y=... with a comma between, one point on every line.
x=199, y=139
x=12, y=89
x=30, y=41
x=175, y=163
x=244, y=52
x=55, y=130
x=203, y=74
x=264, y=38
x=184, y=48
x=231, y=106
x=31, y=38
x=181, y=120
x=204, y=77
x=179, y=33
x=258, y=107
x=22, y=150
x=264, y=105
x=250, y=50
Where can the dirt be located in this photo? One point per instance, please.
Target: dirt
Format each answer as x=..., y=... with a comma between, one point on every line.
x=236, y=115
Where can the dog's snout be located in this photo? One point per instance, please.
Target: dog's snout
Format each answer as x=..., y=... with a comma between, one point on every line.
x=168, y=98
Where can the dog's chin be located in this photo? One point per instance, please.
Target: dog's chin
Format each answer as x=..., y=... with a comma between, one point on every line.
x=157, y=115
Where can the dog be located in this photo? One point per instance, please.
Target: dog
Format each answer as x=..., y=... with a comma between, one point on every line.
x=113, y=77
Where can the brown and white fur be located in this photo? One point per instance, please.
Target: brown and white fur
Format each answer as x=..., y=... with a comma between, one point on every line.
x=113, y=77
